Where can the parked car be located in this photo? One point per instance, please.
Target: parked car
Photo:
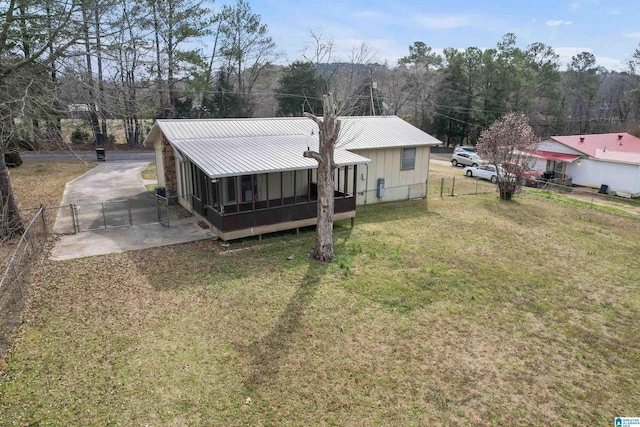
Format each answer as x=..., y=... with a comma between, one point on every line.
x=465, y=159
x=462, y=149
x=529, y=176
x=488, y=172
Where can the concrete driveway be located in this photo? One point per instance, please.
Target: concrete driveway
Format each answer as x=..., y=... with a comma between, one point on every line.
x=109, y=198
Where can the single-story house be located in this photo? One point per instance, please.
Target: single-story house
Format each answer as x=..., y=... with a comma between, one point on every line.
x=248, y=176
x=611, y=159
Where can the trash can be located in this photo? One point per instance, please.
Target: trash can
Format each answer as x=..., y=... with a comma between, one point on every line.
x=548, y=175
x=100, y=154
x=161, y=191
x=604, y=188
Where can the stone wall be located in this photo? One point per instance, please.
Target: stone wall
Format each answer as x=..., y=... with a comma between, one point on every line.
x=169, y=161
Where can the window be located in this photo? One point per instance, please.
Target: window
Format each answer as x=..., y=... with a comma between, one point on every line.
x=231, y=189
x=408, y=158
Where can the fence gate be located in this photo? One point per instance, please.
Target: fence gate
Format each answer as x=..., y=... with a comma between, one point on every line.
x=77, y=218
x=164, y=214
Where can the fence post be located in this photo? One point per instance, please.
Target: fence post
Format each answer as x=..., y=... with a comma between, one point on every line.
x=441, y=186
x=593, y=195
x=104, y=216
x=44, y=218
x=129, y=209
x=453, y=186
x=74, y=219
x=426, y=188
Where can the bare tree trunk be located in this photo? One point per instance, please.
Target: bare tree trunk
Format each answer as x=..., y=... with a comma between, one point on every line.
x=101, y=104
x=329, y=130
x=8, y=206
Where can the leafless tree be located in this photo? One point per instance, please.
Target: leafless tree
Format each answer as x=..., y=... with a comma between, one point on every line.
x=33, y=35
x=329, y=131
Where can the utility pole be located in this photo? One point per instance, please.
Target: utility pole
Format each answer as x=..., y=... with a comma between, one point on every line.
x=372, y=86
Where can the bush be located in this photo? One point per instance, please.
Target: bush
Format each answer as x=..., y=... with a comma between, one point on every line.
x=79, y=136
x=12, y=154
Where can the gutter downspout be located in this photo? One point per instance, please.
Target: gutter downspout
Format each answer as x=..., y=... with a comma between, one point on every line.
x=366, y=184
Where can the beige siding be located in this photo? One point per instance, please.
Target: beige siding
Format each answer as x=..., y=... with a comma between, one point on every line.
x=157, y=145
x=399, y=184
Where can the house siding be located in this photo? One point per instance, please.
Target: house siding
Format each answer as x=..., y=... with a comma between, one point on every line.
x=620, y=177
x=399, y=184
x=159, y=160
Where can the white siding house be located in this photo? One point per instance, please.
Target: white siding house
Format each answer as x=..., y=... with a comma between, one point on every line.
x=249, y=177
x=611, y=159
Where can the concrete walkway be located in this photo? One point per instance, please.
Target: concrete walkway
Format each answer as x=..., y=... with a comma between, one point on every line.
x=116, y=240
x=119, y=187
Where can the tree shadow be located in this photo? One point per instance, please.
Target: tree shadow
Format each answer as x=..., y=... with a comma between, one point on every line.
x=267, y=353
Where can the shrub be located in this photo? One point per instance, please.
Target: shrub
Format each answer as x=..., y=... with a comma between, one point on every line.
x=79, y=136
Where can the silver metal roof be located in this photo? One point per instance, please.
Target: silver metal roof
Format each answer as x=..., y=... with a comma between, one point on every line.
x=220, y=157
x=227, y=147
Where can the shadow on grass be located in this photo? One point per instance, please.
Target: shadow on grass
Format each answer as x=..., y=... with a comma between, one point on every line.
x=267, y=353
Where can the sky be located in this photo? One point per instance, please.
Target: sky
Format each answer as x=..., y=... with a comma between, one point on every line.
x=610, y=30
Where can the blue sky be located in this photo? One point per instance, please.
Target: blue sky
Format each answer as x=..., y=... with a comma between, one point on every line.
x=609, y=30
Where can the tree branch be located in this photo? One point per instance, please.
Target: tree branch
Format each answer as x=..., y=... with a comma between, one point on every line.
x=313, y=155
x=313, y=117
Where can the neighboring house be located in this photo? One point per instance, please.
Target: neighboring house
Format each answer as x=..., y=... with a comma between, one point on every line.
x=611, y=159
x=248, y=176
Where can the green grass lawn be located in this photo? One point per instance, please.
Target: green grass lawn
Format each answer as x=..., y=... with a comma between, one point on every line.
x=455, y=311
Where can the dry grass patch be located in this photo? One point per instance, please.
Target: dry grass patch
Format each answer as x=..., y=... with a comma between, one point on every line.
x=462, y=310
x=36, y=183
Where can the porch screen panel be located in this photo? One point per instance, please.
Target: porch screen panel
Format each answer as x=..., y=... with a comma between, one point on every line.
x=287, y=184
x=274, y=186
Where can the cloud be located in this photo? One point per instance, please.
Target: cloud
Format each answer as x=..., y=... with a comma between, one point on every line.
x=611, y=64
x=556, y=22
x=635, y=35
x=442, y=22
x=565, y=53
x=574, y=6
x=369, y=15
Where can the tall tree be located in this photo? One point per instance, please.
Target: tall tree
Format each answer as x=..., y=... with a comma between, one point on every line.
x=176, y=22
x=329, y=132
x=22, y=70
x=246, y=47
x=225, y=101
x=582, y=83
x=299, y=90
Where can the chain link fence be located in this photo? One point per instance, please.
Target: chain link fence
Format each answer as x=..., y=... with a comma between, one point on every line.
x=457, y=186
x=13, y=284
x=590, y=195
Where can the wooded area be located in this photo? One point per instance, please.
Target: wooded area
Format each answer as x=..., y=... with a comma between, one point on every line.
x=129, y=60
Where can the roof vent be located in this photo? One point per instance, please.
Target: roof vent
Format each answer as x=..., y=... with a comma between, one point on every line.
x=620, y=139
x=620, y=136
x=582, y=139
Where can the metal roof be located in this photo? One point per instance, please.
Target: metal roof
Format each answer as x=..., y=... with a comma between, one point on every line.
x=227, y=147
x=357, y=133
x=220, y=157
x=551, y=155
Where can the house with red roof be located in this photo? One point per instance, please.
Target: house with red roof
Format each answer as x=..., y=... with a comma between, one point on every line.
x=611, y=159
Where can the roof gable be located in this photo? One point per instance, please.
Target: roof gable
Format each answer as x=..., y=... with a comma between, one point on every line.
x=620, y=147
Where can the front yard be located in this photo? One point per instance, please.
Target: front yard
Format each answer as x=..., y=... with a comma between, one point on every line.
x=463, y=310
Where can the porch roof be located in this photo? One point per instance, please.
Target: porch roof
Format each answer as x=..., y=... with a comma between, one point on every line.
x=232, y=156
x=551, y=155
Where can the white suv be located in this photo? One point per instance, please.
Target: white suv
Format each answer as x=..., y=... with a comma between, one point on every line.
x=465, y=159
